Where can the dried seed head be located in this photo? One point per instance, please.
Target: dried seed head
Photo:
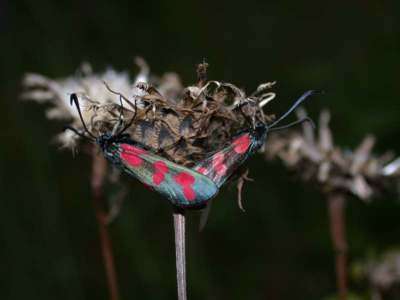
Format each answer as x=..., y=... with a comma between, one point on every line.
x=98, y=104
x=358, y=172
x=183, y=124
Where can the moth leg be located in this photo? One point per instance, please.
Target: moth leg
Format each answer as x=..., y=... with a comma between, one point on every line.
x=243, y=177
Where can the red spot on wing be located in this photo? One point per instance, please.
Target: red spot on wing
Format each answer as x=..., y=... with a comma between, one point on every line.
x=131, y=154
x=201, y=170
x=160, y=168
x=132, y=149
x=218, y=164
x=186, y=181
x=158, y=178
x=132, y=159
x=189, y=193
x=241, y=144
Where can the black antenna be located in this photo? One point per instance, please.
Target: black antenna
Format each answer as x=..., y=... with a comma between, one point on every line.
x=130, y=122
x=74, y=99
x=294, y=106
x=300, y=121
x=122, y=107
x=121, y=114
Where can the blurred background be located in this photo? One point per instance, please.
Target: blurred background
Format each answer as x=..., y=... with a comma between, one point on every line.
x=280, y=248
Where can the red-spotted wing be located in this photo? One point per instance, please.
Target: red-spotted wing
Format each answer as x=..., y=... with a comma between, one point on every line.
x=222, y=164
x=182, y=186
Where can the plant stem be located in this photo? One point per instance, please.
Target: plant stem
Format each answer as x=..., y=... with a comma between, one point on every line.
x=179, y=228
x=99, y=168
x=336, y=206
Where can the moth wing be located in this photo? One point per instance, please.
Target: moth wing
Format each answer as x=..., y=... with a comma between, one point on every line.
x=222, y=164
x=184, y=187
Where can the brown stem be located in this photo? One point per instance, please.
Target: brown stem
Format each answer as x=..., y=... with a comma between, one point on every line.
x=336, y=207
x=179, y=228
x=99, y=168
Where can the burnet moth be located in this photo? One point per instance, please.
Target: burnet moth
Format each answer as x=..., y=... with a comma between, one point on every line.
x=219, y=166
x=182, y=186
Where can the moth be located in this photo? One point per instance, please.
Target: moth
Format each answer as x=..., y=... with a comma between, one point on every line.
x=220, y=166
x=183, y=187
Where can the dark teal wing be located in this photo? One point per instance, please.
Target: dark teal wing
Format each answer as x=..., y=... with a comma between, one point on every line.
x=182, y=186
x=222, y=164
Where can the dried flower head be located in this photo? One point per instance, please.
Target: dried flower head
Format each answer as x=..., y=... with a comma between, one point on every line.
x=358, y=172
x=99, y=105
x=183, y=124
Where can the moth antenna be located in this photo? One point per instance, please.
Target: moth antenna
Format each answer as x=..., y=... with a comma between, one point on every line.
x=300, y=121
x=76, y=131
x=294, y=106
x=74, y=99
x=129, y=124
x=133, y=105
x=116, y=126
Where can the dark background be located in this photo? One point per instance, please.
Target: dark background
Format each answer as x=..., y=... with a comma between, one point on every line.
x=280, y=248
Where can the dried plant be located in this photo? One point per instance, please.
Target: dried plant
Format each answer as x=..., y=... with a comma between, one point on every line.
x=181, y=124
x=359, y=172
x=337, y=172
x=185, y=124
x=382, y=274
x=87, y=84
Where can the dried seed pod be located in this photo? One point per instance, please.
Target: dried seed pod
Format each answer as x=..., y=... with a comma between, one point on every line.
x=358, y=172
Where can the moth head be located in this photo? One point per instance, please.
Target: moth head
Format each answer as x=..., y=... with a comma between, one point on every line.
x=105, y=140
x=260, y=132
